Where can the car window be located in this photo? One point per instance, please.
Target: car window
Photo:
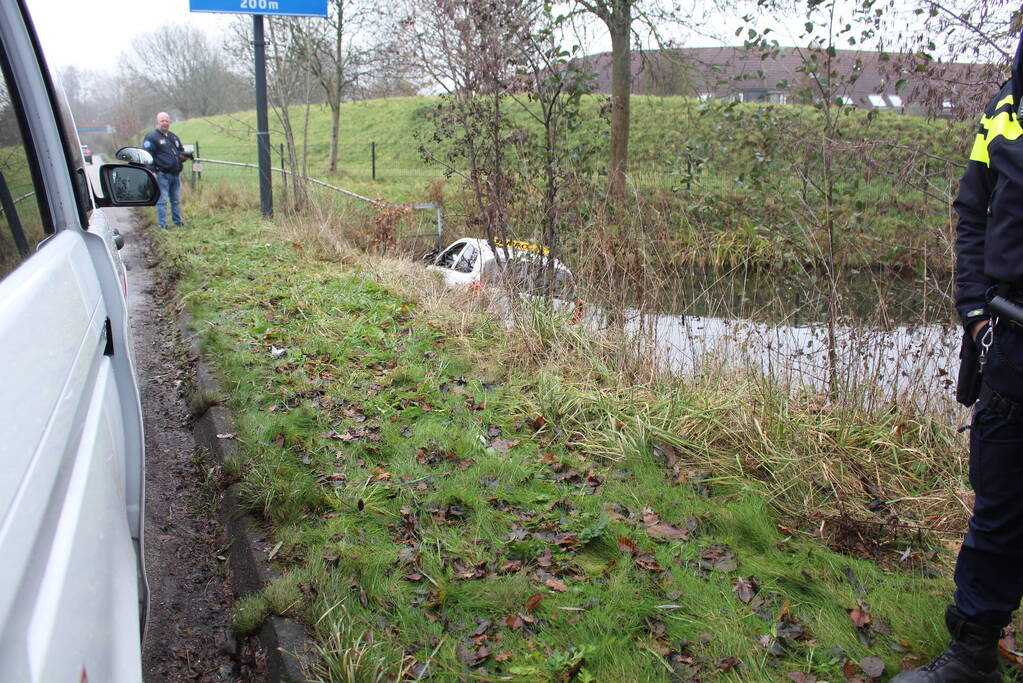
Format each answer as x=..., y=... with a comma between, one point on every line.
x=447, y=259
x=22, y=225
x=467, y=259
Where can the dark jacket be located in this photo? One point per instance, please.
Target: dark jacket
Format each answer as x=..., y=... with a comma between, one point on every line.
x=989, y=235
x=166, y=150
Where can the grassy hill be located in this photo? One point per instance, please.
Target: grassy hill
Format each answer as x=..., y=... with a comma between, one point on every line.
x=724, y=182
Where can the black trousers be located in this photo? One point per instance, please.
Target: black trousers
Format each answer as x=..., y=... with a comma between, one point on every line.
x=989, y=570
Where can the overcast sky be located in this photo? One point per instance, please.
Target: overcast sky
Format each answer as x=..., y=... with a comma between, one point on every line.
x=91, y=34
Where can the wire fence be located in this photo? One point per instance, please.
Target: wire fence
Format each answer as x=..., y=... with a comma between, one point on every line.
x=427, y=224
x=880, y=173
x=363, y=162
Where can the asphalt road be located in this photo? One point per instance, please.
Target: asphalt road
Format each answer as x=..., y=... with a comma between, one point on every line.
x=188, y=633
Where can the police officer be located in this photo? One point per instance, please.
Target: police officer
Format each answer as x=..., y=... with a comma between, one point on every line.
x=989, y=254
x=168, y=153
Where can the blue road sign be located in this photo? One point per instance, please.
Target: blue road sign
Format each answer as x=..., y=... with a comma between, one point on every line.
x=292, y=8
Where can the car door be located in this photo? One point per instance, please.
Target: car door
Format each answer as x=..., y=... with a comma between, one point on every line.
x=72, y=589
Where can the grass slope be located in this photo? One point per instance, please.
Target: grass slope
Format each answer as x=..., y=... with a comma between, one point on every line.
x=723, y=182
x=462, y=500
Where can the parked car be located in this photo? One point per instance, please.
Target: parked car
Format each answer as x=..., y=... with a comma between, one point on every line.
x=528, y=267
x=72, y=583
x=87, y=153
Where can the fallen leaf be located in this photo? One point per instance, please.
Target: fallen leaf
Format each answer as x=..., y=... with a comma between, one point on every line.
x=627, y=546
x=533, y=602
x=556, y=585
x=514, y=622
x=872, y=666
x=718, y=558
x=800, y=677
x=504, y=445
x=728, y=663
x=538, y=422
x=482, y=628
x=502, y=656
x=771, y=644
x=227, y=435
x=666, y=532
x=860, y=618
x=744, y=590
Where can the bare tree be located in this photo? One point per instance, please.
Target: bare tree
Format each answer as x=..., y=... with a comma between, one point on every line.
x=181, y=68
x=982, y=32
x=336, y=53
x=469, y=48
x=620, y=18
x=617, y=16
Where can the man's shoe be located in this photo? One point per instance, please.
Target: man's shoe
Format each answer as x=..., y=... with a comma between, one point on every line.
x=971, y=656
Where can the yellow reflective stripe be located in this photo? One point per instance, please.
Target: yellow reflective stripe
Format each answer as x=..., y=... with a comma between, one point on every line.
x=1005, y=100
x=1000, y=125
x=979, y=151
x=519, y=245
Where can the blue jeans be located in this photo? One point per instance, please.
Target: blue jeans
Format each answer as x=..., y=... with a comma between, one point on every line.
x=170, y=190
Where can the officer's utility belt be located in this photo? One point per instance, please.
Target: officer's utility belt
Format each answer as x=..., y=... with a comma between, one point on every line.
x=1006, y=408
x=1007, y=304
x=1005, y=307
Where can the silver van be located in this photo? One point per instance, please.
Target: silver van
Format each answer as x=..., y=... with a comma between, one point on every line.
x=72, y=584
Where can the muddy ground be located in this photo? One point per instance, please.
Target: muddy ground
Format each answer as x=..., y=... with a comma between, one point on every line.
x=188, y=636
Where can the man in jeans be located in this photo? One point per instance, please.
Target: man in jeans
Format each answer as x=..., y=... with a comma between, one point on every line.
x=168, y=153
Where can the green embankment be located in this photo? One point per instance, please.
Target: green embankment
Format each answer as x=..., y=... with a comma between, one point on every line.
x=717, y=183
x=453, y=497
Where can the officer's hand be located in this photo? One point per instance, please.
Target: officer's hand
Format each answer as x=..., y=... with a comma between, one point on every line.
x=976, y=327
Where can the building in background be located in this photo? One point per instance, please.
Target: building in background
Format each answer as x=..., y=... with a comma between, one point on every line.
x=871, y=80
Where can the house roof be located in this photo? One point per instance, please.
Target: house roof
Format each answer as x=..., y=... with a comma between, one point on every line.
x=862, y=78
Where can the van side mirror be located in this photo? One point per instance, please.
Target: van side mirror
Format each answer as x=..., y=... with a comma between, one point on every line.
x=125, y=185
x=135, y=156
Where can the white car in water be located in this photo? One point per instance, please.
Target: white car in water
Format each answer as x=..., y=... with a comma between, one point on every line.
x=72, y=584
x=472, y=262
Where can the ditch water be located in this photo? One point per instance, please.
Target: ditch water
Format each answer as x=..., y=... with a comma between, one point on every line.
x=896, y=337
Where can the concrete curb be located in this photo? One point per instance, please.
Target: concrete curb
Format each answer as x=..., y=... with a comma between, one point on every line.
x=289, y=651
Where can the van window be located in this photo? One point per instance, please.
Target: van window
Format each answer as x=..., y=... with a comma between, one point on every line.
x=21, y=221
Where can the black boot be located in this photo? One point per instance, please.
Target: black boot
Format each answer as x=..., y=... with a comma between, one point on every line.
x=971, y=657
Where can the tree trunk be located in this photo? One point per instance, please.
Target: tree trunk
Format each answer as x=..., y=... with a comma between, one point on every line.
x=335, y=133
x=619, y=24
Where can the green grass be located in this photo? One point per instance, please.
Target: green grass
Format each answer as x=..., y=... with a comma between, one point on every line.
x=715, y=183
x=453, y=495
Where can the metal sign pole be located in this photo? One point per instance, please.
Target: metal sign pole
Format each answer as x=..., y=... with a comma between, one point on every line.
x=266, y=199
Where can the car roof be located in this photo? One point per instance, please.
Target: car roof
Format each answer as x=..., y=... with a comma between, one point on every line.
x=518, y=254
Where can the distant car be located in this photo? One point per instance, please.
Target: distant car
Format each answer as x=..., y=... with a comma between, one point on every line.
x=471, y=262
x=72, y=581
x=87, y=153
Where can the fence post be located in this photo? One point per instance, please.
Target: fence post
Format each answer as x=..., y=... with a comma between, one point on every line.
x=440, y=227
x=284, y=179
x=191, y=166
x=373, y=158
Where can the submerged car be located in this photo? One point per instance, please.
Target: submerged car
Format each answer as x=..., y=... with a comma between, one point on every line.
x=528, y=268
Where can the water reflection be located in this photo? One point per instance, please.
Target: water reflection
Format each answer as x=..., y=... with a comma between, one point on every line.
x=883, y=298
x=909, y=364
